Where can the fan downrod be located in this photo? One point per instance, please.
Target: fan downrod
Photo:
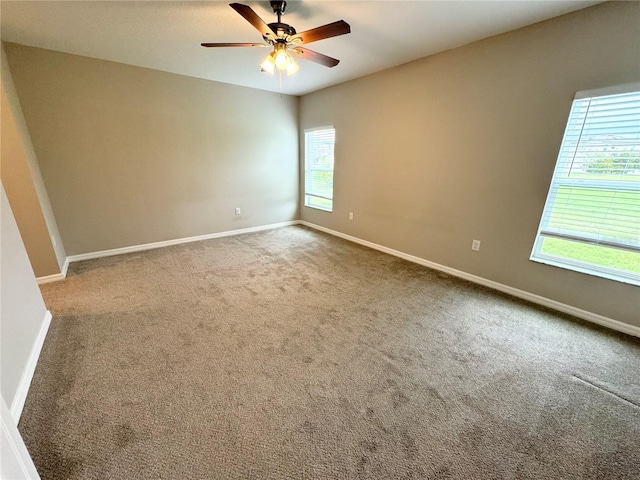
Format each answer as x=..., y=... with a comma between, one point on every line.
x=278, y=8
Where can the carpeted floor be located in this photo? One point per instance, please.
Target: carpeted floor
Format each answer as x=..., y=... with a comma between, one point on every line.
x=290, y=354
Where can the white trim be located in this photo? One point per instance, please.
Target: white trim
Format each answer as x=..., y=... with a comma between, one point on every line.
x=177, y=241
x=547, y=302
x=56, y=277
x=325, y=127
x=15, y=461
x=601, y=92
x=27, y=375
x=631, y=278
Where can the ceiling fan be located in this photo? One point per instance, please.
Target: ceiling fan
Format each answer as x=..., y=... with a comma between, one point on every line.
x=284, y=39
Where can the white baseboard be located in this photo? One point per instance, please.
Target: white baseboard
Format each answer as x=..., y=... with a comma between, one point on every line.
x=56, y=277
x=27, y=375
x=547, y=302
x=178, y=241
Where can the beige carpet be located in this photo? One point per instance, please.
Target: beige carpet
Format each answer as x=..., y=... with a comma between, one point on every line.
x=290, y=354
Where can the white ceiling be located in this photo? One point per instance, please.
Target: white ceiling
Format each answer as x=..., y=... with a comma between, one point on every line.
x=166, y=35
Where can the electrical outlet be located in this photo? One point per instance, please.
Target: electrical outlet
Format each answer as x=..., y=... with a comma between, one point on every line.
x=475, y=245
x=350, y=215
x=238, y=211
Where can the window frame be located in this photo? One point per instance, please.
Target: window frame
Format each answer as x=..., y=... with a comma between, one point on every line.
x=559, y=180
x=309, y=196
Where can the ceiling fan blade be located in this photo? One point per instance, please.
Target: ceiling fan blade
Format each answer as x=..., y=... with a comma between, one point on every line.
x=234, y=45
x=315, y=57
x=326, y=31
x=253, y=18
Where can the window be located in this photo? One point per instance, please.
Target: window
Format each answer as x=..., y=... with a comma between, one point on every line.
x=318, y=168
x=591, y=220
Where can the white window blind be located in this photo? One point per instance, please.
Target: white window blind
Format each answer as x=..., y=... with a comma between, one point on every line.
x=318, y=177
x=591, y=219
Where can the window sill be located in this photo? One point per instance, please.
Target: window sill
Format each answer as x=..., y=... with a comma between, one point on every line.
x=585, y=268
x=324, y=209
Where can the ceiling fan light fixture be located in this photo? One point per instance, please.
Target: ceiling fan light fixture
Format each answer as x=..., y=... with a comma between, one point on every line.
x=269, y=65
x=292, y=67
x=282, y=58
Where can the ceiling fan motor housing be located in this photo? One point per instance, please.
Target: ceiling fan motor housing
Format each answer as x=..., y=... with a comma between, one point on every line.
x=282, y=29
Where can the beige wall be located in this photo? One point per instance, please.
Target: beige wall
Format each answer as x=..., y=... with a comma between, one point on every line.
x=24, y=186
x=131, y=155
x=462, y=145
